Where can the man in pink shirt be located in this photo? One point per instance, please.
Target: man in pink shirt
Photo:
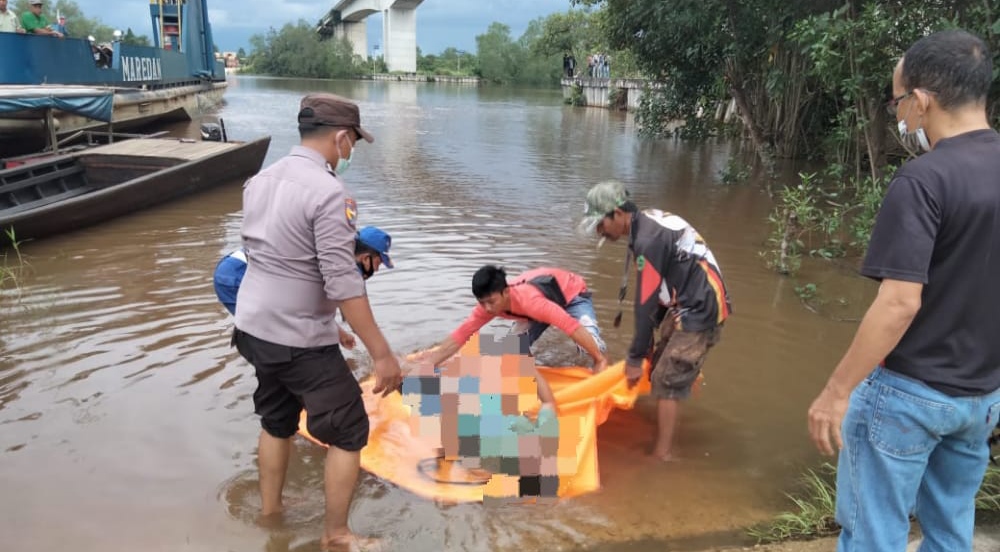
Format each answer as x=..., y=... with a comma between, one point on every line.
x=536, y=299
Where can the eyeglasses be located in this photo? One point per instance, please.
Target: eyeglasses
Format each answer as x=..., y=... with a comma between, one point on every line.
x=893, y=105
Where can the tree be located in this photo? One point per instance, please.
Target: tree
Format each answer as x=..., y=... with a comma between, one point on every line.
x=426, y=64
x=533, y=67
x=569, y=32
x=297, y=51
x=497, y=54
x=241, y=54
x=135, y=40
x=709, y=50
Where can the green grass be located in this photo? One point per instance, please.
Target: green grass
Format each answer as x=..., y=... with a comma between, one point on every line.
x=813, y=513
x=988, y=499
x=12, y=264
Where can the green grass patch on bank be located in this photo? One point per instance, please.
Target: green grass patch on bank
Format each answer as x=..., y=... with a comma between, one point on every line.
x=12, y=264
x=812, y=516
x=814, y=507
x=988, y=499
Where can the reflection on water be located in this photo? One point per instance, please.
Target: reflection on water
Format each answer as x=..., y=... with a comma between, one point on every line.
x=127, y=420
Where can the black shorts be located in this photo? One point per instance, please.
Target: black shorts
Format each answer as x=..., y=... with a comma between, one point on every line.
x=315, y=378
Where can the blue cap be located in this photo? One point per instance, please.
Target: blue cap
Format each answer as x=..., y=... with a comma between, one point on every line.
x=378, y=240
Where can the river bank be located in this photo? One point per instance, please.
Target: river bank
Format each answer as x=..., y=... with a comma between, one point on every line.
x=118, y=388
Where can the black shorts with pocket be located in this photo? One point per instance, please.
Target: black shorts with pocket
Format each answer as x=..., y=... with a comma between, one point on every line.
x=315, y=378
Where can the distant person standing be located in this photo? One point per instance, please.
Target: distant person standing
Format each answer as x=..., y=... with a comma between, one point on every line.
x=9, y=23
x=35, y=23
x=299, y=226
x=916, y=395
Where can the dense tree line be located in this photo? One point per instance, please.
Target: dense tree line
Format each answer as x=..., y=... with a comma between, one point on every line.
x=798, y=70
x=297, y=51
x=534, y=58
x=810, y=78
x=451, y=61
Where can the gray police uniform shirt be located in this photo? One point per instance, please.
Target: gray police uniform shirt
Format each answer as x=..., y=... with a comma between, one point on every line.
x=299, y=223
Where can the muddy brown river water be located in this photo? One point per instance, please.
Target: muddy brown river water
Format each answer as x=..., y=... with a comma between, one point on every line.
x=126, y=421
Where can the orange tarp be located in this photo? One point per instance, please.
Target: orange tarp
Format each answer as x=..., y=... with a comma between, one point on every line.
x=584, y=401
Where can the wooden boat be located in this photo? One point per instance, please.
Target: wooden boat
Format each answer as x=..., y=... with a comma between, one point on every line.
x=82, y=188
x=57, y=87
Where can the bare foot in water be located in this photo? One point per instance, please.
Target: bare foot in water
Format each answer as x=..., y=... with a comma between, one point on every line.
x=665, y=457
x=351, y=543
x=273, y=520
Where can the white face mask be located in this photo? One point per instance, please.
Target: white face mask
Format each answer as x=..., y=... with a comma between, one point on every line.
x=913, y=140
x=344, y=164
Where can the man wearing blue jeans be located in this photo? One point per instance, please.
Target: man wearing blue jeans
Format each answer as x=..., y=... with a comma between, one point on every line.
x=912, y=432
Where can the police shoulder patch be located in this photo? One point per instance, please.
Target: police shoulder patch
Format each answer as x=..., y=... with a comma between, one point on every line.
x=351, y=211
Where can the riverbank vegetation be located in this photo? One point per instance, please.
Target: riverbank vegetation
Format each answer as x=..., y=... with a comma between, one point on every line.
x=815, y=507
x=12, y=263
x=803, y=80
x=535, y=58
x=296, y=50
x=809, y=80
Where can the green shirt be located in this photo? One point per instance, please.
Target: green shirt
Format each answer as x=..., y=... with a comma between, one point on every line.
x=32, y=22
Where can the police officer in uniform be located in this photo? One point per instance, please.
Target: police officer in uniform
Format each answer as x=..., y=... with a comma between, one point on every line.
x=299, y=227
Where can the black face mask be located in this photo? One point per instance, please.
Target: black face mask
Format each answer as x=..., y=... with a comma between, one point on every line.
x=369, y=271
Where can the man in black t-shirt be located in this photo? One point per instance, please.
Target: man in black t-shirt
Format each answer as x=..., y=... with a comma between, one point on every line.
x=913, y=400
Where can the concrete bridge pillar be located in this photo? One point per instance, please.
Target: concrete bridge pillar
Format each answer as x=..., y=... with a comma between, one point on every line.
x=399, y=29
x=357, y=33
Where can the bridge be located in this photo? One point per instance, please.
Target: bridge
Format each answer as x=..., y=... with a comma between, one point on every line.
x=399, y=29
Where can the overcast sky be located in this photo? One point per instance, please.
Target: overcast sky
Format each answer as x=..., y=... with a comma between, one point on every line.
x=440, y=23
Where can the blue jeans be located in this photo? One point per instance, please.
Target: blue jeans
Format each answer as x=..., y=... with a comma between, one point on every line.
x=909, y=448
x=580, y=308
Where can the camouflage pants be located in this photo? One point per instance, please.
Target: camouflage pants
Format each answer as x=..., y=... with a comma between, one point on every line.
x=678, y=358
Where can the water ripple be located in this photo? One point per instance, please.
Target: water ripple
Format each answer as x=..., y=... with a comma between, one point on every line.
x=115, y=358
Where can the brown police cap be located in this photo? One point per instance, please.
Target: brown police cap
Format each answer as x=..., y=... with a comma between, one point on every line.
x=332, y=110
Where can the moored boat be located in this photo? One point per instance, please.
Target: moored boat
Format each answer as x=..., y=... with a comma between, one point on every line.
x=83, y=188
x=175, y=79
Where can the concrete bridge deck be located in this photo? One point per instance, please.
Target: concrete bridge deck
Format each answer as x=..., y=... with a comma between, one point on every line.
x=399, y=29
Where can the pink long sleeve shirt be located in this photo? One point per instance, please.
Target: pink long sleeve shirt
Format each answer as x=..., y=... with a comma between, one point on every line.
x=528, y=303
